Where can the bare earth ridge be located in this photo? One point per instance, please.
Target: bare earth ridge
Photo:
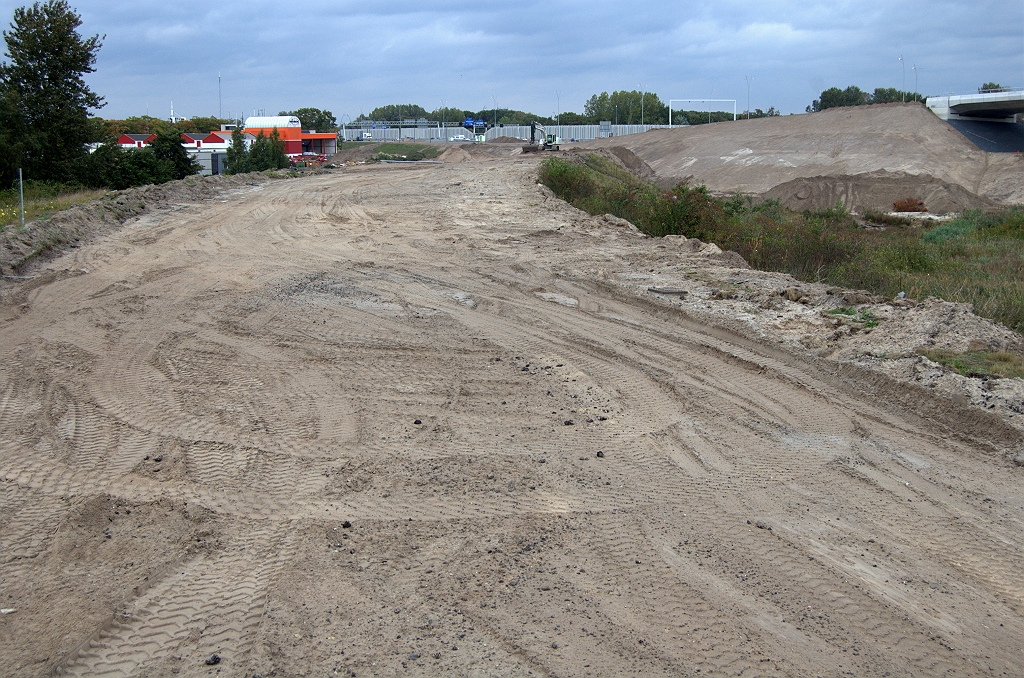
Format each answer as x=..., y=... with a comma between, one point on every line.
x=861, y=155
x=401, y=420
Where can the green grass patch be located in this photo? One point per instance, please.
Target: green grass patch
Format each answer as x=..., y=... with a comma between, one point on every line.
x=977, y=258
x=42, y=198
x=980, y=363
x=399, y=151
x=862, y=317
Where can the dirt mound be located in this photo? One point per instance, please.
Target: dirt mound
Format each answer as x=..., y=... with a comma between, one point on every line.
x=49, y=237
x=359, y=152
x=506, y=140
x=878, y=191
x=455, y=154
x=754, y=156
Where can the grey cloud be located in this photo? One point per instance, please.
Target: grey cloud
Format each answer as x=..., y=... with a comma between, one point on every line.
x=352, y=56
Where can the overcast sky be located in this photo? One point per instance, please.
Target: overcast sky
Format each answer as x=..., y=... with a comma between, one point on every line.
x=351, y=56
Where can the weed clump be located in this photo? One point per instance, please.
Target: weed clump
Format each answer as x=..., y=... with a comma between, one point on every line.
x=42, y=198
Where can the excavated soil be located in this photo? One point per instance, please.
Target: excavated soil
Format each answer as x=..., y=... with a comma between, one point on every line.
x=427, y=419
x=861, y=155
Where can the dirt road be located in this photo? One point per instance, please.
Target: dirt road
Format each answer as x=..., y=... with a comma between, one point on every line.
x=401, y=421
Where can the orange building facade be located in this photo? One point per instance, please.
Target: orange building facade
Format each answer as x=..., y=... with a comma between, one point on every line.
x=296, y=140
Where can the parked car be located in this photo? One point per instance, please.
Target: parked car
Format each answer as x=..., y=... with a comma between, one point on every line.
x=458, y=137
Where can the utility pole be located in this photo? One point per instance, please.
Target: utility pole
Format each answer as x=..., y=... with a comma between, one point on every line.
x=21, y=196
x=220, y=99
x=917, y=92
x=495, y=102
x=709, y=104
x=748, y=95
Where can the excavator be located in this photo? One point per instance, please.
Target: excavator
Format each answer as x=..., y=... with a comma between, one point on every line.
x=548, y=142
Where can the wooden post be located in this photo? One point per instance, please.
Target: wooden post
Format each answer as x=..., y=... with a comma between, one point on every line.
x=21, y=195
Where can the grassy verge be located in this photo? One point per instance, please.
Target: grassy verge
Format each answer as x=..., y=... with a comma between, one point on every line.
x=41, y=199
x=398, y=151
x=977, y=258
x=980, y=363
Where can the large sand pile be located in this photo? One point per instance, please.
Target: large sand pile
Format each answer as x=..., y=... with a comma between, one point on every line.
x=864, y=156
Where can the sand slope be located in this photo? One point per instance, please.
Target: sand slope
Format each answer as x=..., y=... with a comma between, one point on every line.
x=754, y=156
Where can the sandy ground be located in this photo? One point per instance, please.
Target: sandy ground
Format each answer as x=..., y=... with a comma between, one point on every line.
x=865, y=156
x=401, y=420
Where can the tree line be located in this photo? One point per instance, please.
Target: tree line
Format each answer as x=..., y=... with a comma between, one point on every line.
x=47, y=131
x=834, y=97
x=620, y=107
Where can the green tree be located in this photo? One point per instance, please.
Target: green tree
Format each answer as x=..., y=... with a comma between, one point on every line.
x=237, y=161
x=396, y=112
x=315, y=119
x=113, y=167
x=47, y=59
x=167, y=146
x=884, y=95
x=624, y=108
x=12, y=137
x=854, y=96
x=992, y=87
x=267, y=153
x=703, y=117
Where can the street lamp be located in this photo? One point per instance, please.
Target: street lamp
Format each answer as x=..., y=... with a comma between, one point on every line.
x=641, y=104
x=344, y=132
x=904, y=64
x=709, y=104
x=444, y=134
x=558, y=113
x=495, y=102
x=748, y=95
x=916, y=90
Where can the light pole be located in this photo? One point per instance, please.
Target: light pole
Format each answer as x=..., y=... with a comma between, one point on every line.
x=495, y=103
x=641, y=104
x=748, y=95
x=709, y=104
x=917, y=94
x=444, y=134
x=558, y=113
x=904, y=64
